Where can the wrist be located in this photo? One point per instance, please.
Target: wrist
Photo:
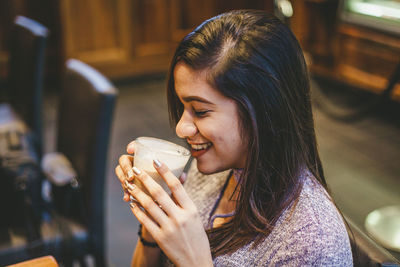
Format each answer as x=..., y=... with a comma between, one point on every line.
x=146, y=239
x=146, y=235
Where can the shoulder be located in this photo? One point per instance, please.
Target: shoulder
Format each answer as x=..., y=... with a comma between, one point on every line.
x=311, y=231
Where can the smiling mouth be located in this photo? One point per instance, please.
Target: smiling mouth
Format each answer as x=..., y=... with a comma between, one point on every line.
x=199, y=149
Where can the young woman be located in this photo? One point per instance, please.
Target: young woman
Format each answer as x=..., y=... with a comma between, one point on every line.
x=255, y=195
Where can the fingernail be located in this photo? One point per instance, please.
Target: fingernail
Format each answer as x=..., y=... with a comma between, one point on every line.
x=129, y=185
x=136, y=171
x=132, y=205
x=157, y=163
x=130, y=173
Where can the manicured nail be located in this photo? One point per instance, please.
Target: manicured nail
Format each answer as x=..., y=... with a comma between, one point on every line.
x=130, y=173
x=136, y=171
x=157, y=163
x=132, y=205
x=129, y=185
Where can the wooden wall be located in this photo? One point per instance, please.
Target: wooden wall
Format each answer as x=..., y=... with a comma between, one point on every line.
x=124, y=38
x=356, y=55
x=119, y=37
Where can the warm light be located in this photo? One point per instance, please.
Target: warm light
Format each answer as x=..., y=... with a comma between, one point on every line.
x=396, y=239
x=384, y=226
x=286, y=8
x=390, y=11
x=374, y=218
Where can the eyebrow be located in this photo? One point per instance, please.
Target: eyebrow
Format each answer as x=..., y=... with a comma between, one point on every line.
x=196, y=98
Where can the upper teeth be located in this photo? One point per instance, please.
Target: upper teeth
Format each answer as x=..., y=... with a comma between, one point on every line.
x=201, y=146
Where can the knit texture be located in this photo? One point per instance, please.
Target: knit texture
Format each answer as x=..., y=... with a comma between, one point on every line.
x=310, y=234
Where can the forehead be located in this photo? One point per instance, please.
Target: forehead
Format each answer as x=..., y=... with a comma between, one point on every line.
x=190, y=82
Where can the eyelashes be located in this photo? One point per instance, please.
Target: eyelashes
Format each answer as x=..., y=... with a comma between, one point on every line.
x=200, y=113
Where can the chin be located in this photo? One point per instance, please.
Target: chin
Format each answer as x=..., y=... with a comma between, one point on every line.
x=208, y=168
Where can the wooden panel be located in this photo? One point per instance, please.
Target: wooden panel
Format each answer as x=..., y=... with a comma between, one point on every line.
x=152, y=16
x=120, y=38
x=95, y=31
x=224, y=6
x=187, y=14
x=152, y=31
x=298, y=21
x=353, y=54
x=131, y=37
x=367, y=57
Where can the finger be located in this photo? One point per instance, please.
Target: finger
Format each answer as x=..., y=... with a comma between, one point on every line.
x=147, y=203
x=126, y=163
x=156, y=191
x=121, y=176
x=174, y=185
x=126, y=196
x=182, y=179
x=144, y=219
x=130, y=148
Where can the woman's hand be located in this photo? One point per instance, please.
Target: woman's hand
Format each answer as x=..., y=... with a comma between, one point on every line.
x=124, y=173
x=174, y=223
x=124, y=169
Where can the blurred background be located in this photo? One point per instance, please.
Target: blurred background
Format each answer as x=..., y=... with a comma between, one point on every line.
x=352, y=48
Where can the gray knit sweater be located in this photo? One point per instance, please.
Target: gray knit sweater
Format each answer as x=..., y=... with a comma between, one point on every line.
x=311, y=234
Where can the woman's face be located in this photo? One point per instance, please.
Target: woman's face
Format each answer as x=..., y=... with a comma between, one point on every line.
x=209, y=123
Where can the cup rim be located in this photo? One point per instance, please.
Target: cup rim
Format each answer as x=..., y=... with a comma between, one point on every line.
x=184, y=151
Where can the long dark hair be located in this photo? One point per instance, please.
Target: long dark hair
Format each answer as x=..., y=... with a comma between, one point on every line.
x=255, y=59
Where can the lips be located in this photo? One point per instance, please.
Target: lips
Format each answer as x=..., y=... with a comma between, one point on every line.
x=199, y=149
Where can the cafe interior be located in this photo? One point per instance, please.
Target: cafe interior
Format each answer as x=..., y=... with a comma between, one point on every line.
x=79, y=80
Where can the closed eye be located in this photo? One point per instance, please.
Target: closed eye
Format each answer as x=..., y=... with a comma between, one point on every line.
x=200, y=113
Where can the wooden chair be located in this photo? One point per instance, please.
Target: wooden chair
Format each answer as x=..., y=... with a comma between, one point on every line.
x=20, y=138
x=24, y=90
x=45, y=261
x=85, y=117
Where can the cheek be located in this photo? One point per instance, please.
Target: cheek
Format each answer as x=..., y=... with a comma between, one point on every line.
x=219, y=133
x=228, y=135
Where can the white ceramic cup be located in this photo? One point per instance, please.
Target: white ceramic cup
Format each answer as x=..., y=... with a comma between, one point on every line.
x=148, y=149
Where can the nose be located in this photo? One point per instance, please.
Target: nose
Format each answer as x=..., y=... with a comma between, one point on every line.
x=186, y=127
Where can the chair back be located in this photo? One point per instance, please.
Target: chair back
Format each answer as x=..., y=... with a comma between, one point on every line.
x=25, y=79
x=85, y=117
